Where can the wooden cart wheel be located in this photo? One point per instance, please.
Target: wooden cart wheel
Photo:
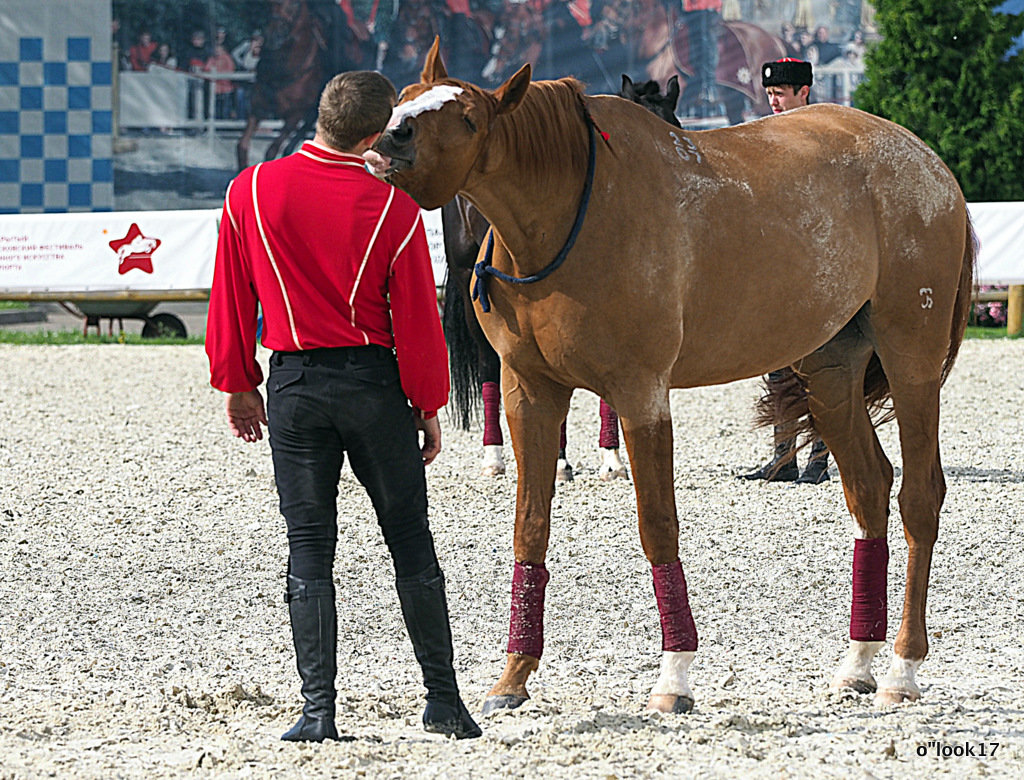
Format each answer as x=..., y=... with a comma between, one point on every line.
x=163, y=325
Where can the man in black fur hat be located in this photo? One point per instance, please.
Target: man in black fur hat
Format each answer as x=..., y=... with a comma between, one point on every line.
x=787, y=83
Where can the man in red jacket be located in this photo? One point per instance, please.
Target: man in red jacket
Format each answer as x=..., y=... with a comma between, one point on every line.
x=339, y=261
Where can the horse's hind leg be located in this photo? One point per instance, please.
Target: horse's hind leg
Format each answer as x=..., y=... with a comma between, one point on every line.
x=533, y=410
x=920, y=497
x=647, y=425
x=835, y=380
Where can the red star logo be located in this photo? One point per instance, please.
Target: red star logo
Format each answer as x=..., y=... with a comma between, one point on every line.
x=135, y=251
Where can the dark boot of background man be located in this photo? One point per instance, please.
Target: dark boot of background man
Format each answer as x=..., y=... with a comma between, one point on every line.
x=816, y=470
x=315, y=634
x=425, y=610
x=776, y=470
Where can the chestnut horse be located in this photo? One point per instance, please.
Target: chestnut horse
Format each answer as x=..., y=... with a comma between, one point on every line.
x=867, y=300
x=475, y=366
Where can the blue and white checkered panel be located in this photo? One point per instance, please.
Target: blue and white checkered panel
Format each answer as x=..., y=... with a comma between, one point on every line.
x=56, y=127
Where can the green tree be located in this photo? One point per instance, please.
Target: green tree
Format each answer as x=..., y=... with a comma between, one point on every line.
x=942, y=71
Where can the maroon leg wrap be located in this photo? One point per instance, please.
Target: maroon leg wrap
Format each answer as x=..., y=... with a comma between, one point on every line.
x=492, y=403
x=609, y=438
x=526, y=627
x=678, y=631
x=868, y=615
x=561, y=438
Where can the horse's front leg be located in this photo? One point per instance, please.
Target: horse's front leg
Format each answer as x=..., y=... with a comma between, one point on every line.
x=534, y=410
x=647, y=426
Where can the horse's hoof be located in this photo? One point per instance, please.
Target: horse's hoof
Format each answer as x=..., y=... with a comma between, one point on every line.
x=669, y=702
x=493, y=470
x=610, y=474
x=505, y=701
x=886, y=696
x=852, y=684
x=564, y=472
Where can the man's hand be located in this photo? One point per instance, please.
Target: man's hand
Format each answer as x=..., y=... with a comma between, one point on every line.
x=431, y=437
x=246, y=412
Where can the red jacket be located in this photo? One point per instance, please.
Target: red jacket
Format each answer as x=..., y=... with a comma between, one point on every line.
x=702, y=5
x=337, y=258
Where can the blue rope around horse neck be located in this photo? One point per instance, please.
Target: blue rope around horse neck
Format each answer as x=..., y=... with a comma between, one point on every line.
x=484, y=268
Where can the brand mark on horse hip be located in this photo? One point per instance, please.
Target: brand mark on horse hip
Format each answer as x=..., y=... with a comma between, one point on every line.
x=685, y=148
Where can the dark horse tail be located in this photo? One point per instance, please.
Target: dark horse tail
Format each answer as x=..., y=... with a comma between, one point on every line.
x=785, y=400
x=464, y=407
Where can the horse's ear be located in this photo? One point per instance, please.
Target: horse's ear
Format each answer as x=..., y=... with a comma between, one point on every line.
x=627, y=90
x=433, y=65
x=672, y=93
x=511, y=92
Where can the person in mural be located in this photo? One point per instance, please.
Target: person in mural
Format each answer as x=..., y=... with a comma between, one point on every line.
x=246, y=56
x=141, y=54
x=359, y=368
x=221, y=61
x=361, y=40
x=194, y=61
x=787, y=84
x=702, y=18
x=464, y=40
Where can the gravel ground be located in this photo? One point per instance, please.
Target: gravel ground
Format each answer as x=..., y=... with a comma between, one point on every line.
x=143, y=632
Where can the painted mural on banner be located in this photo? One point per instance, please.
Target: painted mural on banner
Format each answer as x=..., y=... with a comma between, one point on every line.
x=156, y=104
x=206, y=87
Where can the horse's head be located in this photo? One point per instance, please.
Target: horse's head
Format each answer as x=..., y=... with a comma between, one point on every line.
x=648, y=94
x=438, y=130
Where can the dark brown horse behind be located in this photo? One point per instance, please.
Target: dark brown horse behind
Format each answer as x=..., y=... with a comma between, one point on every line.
x=877, y=270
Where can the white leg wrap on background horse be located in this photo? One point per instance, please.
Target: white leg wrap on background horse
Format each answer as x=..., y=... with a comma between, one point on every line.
x=563, y=472
x=494, y=462
x=611, y=465
x=673, y=679
x=901, y=678
x=856, y=667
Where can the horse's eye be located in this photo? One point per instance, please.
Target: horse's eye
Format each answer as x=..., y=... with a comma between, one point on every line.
x=402, y=134
x=470, y=124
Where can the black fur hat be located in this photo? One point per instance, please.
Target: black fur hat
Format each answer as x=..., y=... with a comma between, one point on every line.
x=788, y=71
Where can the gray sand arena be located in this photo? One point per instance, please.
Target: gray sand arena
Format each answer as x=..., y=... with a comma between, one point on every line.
x=143, y=634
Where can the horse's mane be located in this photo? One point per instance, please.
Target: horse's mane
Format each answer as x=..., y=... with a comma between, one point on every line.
x=546, y=129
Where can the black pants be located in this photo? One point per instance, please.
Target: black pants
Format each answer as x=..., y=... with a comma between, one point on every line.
x=321, y=404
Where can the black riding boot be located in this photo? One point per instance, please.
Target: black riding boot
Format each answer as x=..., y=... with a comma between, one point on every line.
x=816, y=470
x=315, y=634
x=775, y=470
x=425, y=609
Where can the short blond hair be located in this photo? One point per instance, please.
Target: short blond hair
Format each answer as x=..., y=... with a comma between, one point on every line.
x=354, y=105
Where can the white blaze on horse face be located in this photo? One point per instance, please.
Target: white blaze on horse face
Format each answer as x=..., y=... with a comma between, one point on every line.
x=431, y=100
x=673, y=679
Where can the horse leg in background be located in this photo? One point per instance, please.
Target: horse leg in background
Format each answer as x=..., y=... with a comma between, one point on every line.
x=563, y=469
x=533, y=409
x=245, y=142
x=301, y=132
x=647, y=425
x=289, y=127
x=494, y=458
x=608, y=440
x=835, y=386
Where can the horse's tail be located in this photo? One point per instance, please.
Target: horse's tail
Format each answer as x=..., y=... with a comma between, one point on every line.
x=784, y=401
x=462, y=353
x=964, y=294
